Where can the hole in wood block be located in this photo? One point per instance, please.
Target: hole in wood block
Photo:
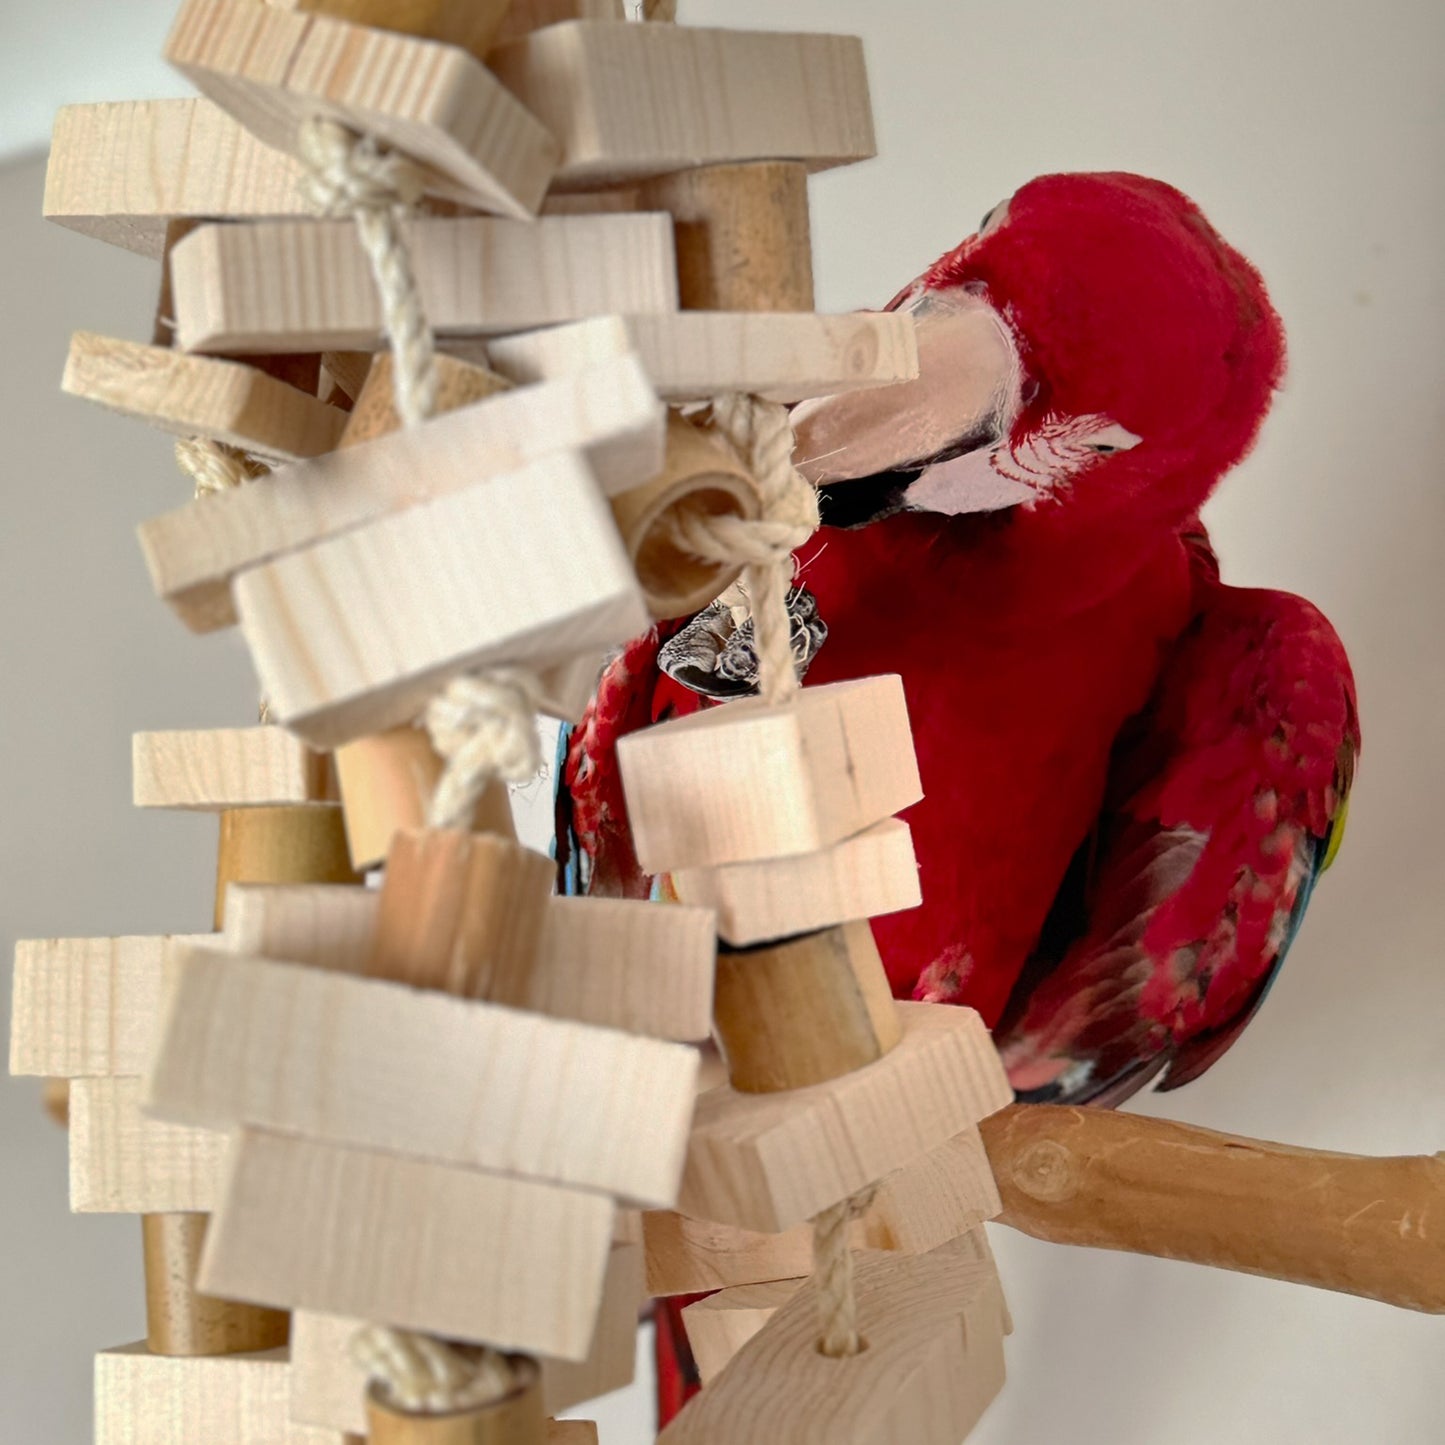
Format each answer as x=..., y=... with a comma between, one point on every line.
x=749, y=780
x=213, y=769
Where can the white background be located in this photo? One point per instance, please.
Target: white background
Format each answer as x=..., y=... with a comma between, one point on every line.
x=1312, y=133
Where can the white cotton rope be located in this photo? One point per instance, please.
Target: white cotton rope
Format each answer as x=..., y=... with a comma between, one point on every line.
x=421, y=1374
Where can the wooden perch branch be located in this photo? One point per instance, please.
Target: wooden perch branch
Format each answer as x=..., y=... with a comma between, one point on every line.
x=1371, y=1227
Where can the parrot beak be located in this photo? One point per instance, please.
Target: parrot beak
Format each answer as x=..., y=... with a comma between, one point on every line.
x=921, y=445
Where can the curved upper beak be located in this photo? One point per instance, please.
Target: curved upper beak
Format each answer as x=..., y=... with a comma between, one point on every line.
x=929, y=437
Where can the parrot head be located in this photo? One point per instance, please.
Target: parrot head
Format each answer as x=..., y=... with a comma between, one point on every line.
x=1096, y=352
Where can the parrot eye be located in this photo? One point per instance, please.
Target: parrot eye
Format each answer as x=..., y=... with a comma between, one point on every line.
x=987, y=217
x=993, y=219
x=1104, y=441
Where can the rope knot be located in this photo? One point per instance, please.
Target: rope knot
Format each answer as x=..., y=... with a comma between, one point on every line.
x=415, y=1372
x=215, y=466
x=346, y=172
x=485, y=728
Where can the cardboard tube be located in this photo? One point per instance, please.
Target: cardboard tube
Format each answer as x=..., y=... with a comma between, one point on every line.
x=516, y=1419
x=1371, y=1227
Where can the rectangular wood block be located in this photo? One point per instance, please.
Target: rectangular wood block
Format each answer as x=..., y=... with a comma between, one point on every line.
x=123, y=1163
x=525, y=16
x=357, y=633
x=939, y=1197
x=720, y=1325
x=471, y=24
x=274, y=69
x=327, y=1387
x=693, y=355
x=607, y=412
x=934, y=1325
x=750, y=781
x=322, y=925
x=211, y=769
x=307, y=285
x=643, y=100
x=87, y=1007
x=121, y=170
x=456, y=1252
x=769, y=1161
x=225, y=401
x=872, y=873
x=378, y=1065
x=146, y=1399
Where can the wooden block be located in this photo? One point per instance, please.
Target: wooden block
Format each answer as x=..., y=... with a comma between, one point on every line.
x=225, y=401
x=215, y=768
x=749, y=781
x=146, y=1399
x=700, y=476
x=608, y=412
x=471, y=24
x=308, y=285
x=742, y=235
x=123, y=1163
x=327, y=1388
x=378, y=1065
x=506, y=1262
x=387, y=781
x=356, y=634
x=933, y=1364
x=769, y=1161
x=322, y=925
x=87, y=1007
x=374, y=413
x=803, y=1010
x=872, y=873
x=720, y=1325
x=122, y=170
x=274, y=70
x=567, y=686
x=525, y=16
x=940, y=1197
x=571, y=1432
x=349, y=369
x=644, y=100
x=695, y=355
x=691, y=1256
x=460, y=912
x=646, y=968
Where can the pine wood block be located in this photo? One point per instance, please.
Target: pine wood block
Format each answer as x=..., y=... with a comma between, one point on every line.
x=146, y=1399
x=608, y=412
x=377, y=1065
x=720, y=1325
x=567, y=686
x=646, y=968
x=225, y=401
x=123, y=1163
x=934, y=1326
x=769, y=1161
x=211, y=769
x=457, y=1252
x=461, y=912
x=349, y=369
x=87, y=1007
x=120, y=171
x=321, y=925
x=307, y=285
x=327, y=1387
x=374, y=412
x=572, y=1432
x=872, y=873
x=357, y=633
x=749, y=781
x=471, y=24
x=274, y=70
x=525, y=16
x=945, y=1194
x=628, y=102
x=691, y=1256
x=694, y=355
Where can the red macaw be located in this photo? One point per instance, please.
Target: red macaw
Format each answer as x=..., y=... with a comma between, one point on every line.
x=1133, y=773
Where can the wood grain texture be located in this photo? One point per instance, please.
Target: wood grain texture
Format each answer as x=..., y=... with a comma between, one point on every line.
x=322, y=925
x=748, y=781
x=803, y=1010
x=934, y=1326
x=507, y=1262
x=274, y=69
x=120, y=171
x=769, y=1161
x=937, y=1198
x=525, y=16
x=471, y=24
x=694, y=355
x=146, y=1399
x=1371, y=1227
x=607, y=411
x=278, y=286
x=210, y=769
x=720, y=1325
x=225, y=401
x=873, y=872
x=280, y=845
x=374, y=413
x=646, y=968
x=123, y=1163
x=327, y=1387
x=357, y=633
x=378, y=1065
x=644, y=100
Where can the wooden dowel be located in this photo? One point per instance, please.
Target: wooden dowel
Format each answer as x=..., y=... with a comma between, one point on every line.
x=515, y=1419
x=281, y=845
x=1371, y=1227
